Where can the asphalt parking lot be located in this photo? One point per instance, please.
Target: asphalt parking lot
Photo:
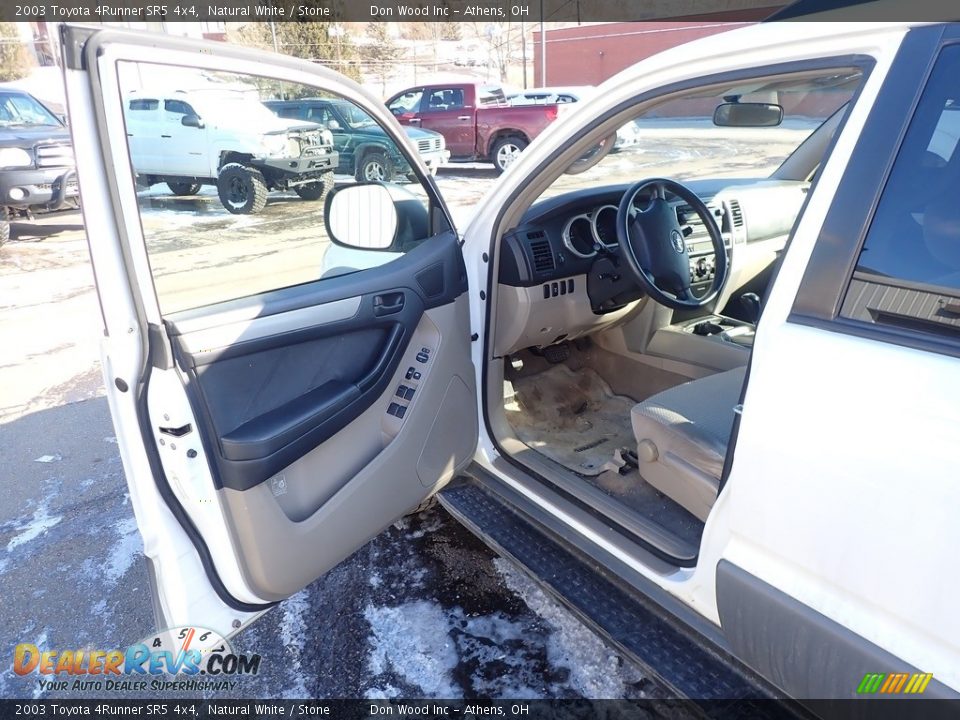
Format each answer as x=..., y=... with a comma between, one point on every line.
x=423, y=610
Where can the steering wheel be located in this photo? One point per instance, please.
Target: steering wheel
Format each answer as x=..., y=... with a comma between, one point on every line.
x=653, y=244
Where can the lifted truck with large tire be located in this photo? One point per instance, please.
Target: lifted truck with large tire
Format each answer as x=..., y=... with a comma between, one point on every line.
x=226, y=138
x=36, y=160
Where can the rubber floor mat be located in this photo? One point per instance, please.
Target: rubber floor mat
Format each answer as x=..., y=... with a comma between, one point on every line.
x=571, y=417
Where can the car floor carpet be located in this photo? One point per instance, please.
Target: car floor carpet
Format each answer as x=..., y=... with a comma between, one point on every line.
x=573, y=418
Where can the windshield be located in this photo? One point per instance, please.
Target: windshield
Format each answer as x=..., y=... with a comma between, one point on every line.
x=18, y=110
x=679, y=139
x=226, y=108
x=354, y=116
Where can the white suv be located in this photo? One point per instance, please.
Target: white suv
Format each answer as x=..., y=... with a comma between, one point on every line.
x=226, y=138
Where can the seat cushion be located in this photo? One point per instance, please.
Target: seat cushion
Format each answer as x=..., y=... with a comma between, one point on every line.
x=682, y=435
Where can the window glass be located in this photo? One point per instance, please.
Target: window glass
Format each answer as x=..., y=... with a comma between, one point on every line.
x=915, y=232
x=143, y=104
x=445, y=99
x=233, y=205
x=409, y=102
x=24, y=111
x=178, y=107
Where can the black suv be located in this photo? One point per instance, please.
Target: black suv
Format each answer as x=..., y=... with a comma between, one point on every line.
x=36, y=159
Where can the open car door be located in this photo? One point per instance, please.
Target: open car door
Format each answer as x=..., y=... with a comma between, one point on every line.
x=275, y=408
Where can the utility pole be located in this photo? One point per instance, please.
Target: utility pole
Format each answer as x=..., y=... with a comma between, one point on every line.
x=543, y=49
x=523, y=51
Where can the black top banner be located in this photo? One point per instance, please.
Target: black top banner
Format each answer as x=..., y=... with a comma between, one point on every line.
x=147, y=11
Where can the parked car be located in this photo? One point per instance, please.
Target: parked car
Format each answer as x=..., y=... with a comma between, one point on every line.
x=475, y=120
x=550, y=95
x=753, y=493
x=226, y=138
x=627, y=136
x=36, y=159
x=365, y=150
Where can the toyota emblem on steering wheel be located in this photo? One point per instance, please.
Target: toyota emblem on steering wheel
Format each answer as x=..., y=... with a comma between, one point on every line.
x=676, y=240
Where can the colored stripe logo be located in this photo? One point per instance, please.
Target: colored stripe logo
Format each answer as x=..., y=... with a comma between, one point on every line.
x=894, y=683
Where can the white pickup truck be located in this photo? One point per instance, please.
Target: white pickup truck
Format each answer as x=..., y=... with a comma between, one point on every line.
x=720, y=370
x=227, y=138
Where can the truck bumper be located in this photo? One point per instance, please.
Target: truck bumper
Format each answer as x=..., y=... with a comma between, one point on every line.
x=306, y=164
x=46, y=189
x=435, y=159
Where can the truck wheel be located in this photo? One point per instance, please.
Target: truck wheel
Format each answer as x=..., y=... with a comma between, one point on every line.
x=184, y=188
x=315, y=191
x=375, y=167
x=242, y=190
x=4, y=225
x=506, y=150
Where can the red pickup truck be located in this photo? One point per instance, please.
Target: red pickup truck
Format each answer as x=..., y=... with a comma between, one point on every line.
x=474, y=118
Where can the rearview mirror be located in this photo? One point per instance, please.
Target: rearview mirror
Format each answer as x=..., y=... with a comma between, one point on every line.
x=362, y=217
x=191, y=121
x=748, y=115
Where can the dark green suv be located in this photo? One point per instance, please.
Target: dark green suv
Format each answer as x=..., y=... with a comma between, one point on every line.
x=366, y=152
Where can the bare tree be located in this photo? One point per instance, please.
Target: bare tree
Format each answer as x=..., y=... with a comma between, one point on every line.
x=381, y=52
x=15, y=61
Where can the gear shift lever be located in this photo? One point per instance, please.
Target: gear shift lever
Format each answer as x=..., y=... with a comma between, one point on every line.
x=750, y=302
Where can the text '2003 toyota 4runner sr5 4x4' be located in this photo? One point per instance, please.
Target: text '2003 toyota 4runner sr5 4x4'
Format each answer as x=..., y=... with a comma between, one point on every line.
x=227, y=138
x=734, y=394
x=36, y=160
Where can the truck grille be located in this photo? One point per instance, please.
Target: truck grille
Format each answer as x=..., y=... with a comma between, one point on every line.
x=55, y=155
x=430, y=144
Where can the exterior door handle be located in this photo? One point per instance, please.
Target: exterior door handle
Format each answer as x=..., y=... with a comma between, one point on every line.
x=166, y=136
x=463, y=117
x=414, y=121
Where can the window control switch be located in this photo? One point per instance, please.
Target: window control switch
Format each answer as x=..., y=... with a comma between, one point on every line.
x=407, y=392
x=396, y=410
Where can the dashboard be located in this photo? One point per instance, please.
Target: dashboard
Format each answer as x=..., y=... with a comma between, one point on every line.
x=566, y=248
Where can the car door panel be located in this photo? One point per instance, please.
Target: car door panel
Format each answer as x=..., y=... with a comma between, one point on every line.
x=307, y=367
x=332, y=497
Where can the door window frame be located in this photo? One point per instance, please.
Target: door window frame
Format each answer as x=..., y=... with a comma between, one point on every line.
x=835, y=255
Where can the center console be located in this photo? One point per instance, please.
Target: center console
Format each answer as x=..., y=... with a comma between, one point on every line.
x=715, y=342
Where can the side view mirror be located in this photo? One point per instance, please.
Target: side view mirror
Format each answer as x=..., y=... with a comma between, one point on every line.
x=362, y=217
x=333, y=125
x=191, y=121
x=748, y=115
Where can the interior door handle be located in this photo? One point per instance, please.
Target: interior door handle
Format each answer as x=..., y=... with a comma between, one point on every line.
x=388, y=303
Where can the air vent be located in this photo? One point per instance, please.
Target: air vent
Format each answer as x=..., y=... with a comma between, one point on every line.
x=542, y=255
x=736, y=213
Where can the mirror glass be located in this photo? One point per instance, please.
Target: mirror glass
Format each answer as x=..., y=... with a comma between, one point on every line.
x=362, y=216
x=748, y=115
